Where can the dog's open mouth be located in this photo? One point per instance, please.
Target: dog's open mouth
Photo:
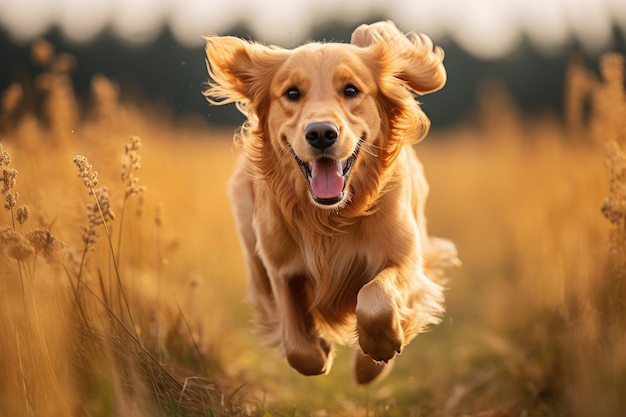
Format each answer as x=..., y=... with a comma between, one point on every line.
x=327, y=177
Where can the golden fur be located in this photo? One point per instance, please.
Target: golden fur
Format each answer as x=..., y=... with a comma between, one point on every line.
x=357, y=268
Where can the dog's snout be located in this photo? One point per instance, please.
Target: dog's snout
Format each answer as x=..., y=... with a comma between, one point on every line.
x=321, y=135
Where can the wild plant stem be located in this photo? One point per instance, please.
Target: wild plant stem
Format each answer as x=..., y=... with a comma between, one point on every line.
x=82, y=261
x=76, y=293
x=146, y=355
x=19, y=268
x=32, y=268
x=12, y=219
x=193, y=339
x=124, y=297
x=115, y=263
x=119, y=237
x=21, y=366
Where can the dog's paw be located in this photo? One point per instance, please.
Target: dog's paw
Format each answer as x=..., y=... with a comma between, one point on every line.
x=365, y=370
x=378, y=325
x=378, y=342
x=311, y=358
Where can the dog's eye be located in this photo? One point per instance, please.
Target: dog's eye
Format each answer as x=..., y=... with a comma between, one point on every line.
x=292, y=94
x=350, y=91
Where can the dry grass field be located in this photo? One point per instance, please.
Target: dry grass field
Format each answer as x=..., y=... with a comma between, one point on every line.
x=121, y=292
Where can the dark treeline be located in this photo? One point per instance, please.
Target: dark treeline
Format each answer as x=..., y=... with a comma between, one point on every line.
x=165, y=72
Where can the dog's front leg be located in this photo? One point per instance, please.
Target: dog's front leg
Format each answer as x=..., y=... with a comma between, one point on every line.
x=378, y=320
x=306, y=352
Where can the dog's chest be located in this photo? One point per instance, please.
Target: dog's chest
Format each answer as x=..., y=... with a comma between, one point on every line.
x=340, y=261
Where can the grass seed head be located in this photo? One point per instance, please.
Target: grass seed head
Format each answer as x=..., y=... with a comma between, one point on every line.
x=23, y=213
x=104, y=203
x=98, y=212
x=17, y=247
x=8, y=177
x=90, y=237
x=128, y=169
x=90, y=179
x=5, y=158
x=47, y=245
x=133, y=145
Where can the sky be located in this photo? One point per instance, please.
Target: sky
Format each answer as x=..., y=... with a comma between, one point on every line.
x=487, y=29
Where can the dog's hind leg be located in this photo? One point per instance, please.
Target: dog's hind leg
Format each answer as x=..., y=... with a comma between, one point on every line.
x=259, y=289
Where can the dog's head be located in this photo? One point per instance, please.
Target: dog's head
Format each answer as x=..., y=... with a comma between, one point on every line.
x=327, y=105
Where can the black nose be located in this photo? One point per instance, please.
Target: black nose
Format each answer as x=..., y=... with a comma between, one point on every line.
x=321, y=135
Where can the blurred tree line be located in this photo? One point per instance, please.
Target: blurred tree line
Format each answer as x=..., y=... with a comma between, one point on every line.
x=164, y=72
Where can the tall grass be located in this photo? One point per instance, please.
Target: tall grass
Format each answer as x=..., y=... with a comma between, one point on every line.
x=542, y=264
x=123, y=296
x=91, y=328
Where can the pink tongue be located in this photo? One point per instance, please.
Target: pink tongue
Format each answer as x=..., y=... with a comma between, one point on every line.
x=326, y=181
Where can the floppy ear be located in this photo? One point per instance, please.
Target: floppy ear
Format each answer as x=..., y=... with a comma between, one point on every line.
x=239, y=70
x=411, y=58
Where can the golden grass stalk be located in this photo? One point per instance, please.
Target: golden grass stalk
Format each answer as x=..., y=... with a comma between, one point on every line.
x=142, y=369
x=70, y=349
x=8, y=177
x=130, y=181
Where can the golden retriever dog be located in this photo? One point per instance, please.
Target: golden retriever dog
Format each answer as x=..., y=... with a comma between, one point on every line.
x=329, y=195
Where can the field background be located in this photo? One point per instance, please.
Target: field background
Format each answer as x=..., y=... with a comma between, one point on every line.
x=148, y=317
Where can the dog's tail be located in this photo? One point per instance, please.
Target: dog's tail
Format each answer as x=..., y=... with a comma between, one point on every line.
x=439, y=256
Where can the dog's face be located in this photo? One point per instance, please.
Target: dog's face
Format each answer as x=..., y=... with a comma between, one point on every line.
x=323, y=110
x=328, y=106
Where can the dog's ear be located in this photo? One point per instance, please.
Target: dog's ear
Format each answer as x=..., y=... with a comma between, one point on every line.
x=411, y=58
x=239, y=69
